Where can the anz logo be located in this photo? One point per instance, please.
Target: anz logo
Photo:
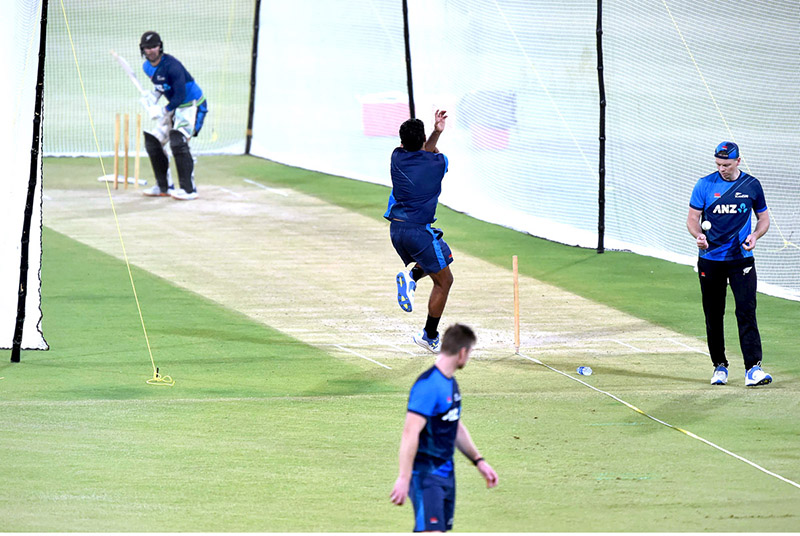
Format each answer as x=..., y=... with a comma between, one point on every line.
x=451, y=415
x=730, y=209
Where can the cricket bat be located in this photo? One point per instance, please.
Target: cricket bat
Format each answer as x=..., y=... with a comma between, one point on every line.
x=127, y=68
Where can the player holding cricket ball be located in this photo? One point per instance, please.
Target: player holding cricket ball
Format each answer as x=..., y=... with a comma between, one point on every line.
x=725, y=201
x=178, y=121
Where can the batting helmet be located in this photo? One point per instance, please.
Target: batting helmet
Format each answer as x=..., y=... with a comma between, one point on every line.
x=150, y=40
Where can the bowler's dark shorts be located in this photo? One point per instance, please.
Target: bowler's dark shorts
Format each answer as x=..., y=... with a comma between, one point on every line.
x=434, y=499
x=422, y=244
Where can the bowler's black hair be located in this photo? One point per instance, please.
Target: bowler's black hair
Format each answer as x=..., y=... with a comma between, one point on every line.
x=412, y=134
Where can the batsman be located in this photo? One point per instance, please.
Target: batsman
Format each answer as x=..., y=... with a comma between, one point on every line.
x=176, y=122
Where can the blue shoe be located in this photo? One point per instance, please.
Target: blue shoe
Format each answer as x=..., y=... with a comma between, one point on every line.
x=431, y=345
x=756, y=376
x=720, y=376
x=405, y=291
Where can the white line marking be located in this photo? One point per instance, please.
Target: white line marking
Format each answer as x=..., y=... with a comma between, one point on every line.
x=624, y=344
x=379, y=344
x=679, y=343
x=237, y=194
x=690, y=434
x=391, y=345
x=273, y=190
x=340, y=347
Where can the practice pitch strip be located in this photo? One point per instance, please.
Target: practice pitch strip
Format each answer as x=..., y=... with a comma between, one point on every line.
x=326, y=276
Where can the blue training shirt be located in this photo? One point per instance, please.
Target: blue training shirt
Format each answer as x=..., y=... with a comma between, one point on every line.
x=437, y=398
x=173, y=80
x=416, y=185
x=728, y=205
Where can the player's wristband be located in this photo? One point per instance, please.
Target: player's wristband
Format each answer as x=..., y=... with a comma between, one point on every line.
x=476, y=461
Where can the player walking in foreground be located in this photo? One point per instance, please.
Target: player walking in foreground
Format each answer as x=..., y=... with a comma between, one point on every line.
x=178, y=121
x=417, y=173
x=432, y=431
x=725, y=199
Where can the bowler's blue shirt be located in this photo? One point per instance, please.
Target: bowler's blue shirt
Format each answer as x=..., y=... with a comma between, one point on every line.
x=416, y=185
x=437, y=398
x=173, y=80
x=727, y=205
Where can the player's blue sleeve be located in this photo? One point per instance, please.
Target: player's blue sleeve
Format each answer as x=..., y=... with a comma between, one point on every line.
x=760, y=202
x=446, y=163
x=148, y=69
x=422, y=399
x=697, y=200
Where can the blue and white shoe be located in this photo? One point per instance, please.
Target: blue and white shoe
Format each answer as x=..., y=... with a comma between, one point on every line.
x=756, y=376
x=431, y=345
x=405, y=291
x=720, y=376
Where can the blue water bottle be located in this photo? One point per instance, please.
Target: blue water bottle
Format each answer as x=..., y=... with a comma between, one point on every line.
x=585, y=371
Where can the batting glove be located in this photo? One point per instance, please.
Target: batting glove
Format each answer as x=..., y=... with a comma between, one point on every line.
x=155, y=111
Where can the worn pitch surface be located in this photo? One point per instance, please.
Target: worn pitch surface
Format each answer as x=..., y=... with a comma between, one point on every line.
x=325, y=276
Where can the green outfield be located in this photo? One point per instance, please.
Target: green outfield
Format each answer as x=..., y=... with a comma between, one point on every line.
x=266, y=430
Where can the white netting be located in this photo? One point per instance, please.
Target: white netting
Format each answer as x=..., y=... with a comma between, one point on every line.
x=519, y=81
x=213, y=40
x=19, y=32
x=682, y=76
x=331, y=87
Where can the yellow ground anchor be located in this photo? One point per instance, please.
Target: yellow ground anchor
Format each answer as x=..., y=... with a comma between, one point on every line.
x=158, y=379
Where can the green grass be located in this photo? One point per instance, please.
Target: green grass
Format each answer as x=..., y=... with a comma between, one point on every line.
x=264, y=433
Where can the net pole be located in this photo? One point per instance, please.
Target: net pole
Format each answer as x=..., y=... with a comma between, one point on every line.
x=253, y=62
x=409, y=78
x=601, y=187
x=33, y=178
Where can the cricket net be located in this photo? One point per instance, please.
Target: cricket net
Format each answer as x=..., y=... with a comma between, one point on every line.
x=20, y=33
x=519, y=80
x=681, y=77
x=213, y=41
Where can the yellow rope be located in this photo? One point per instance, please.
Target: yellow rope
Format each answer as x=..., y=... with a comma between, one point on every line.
x=157, y=379
x=773, y=221
x=659, y=421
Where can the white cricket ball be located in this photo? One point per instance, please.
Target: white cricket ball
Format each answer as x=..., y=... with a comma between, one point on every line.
x=706, y=225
